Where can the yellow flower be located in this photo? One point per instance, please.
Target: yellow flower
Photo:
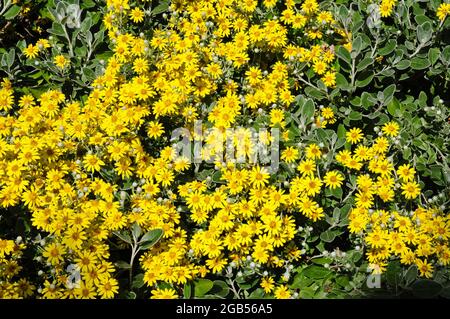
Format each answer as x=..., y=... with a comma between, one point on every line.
x=282, y=292
x=391, y=129
x=137, y=15
x=155, y=129
x=333, y=179
x=54, y=253
x=31, y=51
x=310, y=6
x=312, y=185
x=164, y=293
x=290, y=154
x=267, y=283
x=6, y=247
x=259, y=177
x=406, y=172
x=443, y=11
x=61, y=61
x=93, y=163
x=107, y=287
x=354, y=135
x=411, y=190
x=313, y=152
x=329, y=79
x=425, y=269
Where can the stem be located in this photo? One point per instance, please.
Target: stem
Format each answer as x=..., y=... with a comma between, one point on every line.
x=374, y=49
x=353, y=74
x=69, y=41
x=233, y=288
x=349, y=194
x=420, y=47
x=134, y=251
x=312, y=85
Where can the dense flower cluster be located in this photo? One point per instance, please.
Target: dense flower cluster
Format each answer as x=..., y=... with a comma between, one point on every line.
x=86, y=171
x=415, y=236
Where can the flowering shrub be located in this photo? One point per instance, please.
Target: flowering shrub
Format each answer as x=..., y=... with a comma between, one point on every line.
x=226, y=149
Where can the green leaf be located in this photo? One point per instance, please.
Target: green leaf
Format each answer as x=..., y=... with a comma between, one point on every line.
x=123, y=236
x=202, y=287
x=424, y=32
x=122, y=264
x=388, y=93
x=341, y=131
x=388, y=48
x=138, y=281
x=337, y=192
x=341, y=82
x=10, y=56
x=220, y=288
x=367, y=100
x=12, y=12
x=187, y=291
x=136, y=230
x=312, y=92
x=301, y=281
x=411, y=275
x=257, y=294
x=342, y=281
x=393, y=273
x=425, y=288
x=56, y=29
x=433, y=55
x=86, y=25
x=420, y=17
x=329, y=235
x=403, y=64
x=394, y=108
x=356, y=47
x=89, y=74
x=316, y=272
x=355, y=116
x=150, y=238
x=364, y=81
x=131, y=295
x=322, y=260
x=364, y=63
x=344, y=55
x=419, y=63
x=308, y=111
x=445, y=56
x=163, y=7
x=308, y=292
x=86, y=4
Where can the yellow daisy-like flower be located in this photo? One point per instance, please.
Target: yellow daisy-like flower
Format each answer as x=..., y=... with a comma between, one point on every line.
x=391, y=129
x=406, y=172
x=313, y=151
x=6, y=247
x=425, y=269
x=31, y=51
x=93, y=163
x=61, y=61
x=411, y=190
x=333, y=179
x=354, y=136
x=443, y=11
x=137, y=15
x=290, y=154
x=164, y=293
x=282, y=292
